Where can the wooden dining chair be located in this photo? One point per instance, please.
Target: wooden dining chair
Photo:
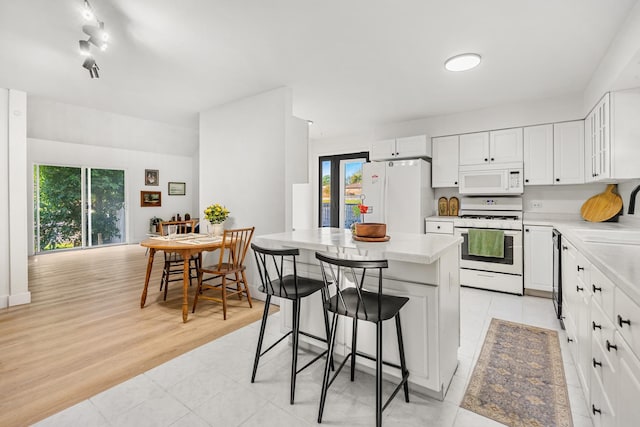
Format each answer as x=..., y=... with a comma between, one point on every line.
x=173, y=262
x=230, y=270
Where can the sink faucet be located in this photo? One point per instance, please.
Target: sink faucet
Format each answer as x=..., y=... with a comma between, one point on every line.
x=632, y=200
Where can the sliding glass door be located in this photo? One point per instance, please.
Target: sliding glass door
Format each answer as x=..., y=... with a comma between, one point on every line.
x=77, y=207
x=340, y=189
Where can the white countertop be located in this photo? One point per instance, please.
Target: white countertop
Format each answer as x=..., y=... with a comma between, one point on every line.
x=441, y=218
x=407, y=247
x=619, y=262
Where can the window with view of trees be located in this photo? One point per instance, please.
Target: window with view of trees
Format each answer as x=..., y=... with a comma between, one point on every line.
x=60, y=219
x=340, y=189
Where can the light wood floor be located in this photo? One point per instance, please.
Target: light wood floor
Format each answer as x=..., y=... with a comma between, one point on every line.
x=84, y=331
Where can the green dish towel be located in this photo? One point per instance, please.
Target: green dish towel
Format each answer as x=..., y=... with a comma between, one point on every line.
x=487, y=243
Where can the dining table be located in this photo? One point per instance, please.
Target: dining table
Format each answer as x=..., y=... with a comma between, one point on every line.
x=186, y=245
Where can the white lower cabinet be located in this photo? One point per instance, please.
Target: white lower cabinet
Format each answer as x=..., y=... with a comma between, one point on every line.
x=603, y=329
x=627, y=399
x=538, y=258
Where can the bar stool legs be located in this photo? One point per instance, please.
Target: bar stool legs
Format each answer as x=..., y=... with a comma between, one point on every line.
x=380, y=404
x=295, y=332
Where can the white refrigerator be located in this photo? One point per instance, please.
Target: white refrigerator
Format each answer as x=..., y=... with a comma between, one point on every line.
x=398, y=193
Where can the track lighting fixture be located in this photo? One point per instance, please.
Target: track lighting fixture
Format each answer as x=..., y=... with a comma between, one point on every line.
x=87, y=13
x=90, y=64
x=97, y=37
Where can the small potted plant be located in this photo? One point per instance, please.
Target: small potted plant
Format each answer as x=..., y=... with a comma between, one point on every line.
x=216, y=214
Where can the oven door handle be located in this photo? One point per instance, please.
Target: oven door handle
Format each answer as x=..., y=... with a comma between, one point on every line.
x=506, y=232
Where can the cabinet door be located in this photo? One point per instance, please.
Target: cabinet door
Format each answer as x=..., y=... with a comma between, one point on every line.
x=444, y=163
x=538, y=155
x=602, y=153
x=628, y=393
x=412, y=147
x=569, y=274
x=590, y=147
x=474, y=149
x=505, y=146
x=538, y=258
x=568, y=152
x=383, y=150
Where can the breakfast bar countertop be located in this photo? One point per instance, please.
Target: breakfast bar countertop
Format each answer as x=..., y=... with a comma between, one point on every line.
x=410, y=247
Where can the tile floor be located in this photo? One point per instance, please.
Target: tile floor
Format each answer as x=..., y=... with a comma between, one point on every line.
x=210, y=386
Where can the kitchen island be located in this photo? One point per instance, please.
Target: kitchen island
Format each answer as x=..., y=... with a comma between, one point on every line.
x=421, y=267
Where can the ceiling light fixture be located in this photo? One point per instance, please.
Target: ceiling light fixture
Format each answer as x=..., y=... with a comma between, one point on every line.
x=463, y=62
x=97, y=37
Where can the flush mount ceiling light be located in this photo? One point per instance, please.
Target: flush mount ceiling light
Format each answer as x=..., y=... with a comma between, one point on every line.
x=97, y=37
x=463, y=62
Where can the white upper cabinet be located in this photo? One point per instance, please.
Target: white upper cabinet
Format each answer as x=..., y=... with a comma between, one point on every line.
x=568, y=152
x=611, y=137
x=474, y=149
x=410, y=147
x=444, y=166
x=483, y=148
x=538, y=155
x=383, y=149
x=505, y=146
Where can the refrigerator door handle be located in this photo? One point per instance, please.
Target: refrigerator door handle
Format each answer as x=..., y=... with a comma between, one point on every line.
x=385, y=198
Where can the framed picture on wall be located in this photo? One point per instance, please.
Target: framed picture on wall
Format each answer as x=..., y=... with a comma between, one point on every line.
x=151, y=177
x=177, y=188
x=150, y=199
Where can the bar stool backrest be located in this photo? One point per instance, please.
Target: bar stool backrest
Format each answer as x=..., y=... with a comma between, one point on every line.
x=348, y=273
x=271, y=267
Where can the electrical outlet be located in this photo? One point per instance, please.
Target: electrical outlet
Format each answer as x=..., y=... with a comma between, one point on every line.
x=536, y=204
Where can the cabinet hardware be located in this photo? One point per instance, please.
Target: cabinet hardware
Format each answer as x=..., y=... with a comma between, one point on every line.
x=595, y=288
x=557, y=179
x=580, y=268
x=486, y=160
x=595, y=326
x=578, y=288
x=456, y=183
x=569, y=339
x=622, y=322
x=564, y=248
x=526, y=229
x=492, y=159
x=596, y=363
x=611, y=346
x=595, y=410
x=438, y=227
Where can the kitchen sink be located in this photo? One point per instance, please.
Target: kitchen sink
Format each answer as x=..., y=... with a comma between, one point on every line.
x=623, y=237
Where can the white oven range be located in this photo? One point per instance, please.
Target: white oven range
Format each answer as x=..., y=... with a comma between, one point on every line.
x=503, y=274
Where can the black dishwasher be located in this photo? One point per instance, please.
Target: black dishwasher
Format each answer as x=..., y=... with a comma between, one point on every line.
x=557, y=275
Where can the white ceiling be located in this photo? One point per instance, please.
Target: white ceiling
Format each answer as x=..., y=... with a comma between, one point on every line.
x=352, y=64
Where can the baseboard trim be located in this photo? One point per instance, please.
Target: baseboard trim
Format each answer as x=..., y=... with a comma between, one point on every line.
x=18, y=299
x=537, y=293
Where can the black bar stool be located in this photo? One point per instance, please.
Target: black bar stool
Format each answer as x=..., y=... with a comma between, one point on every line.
x=271, y=264
x=360, y=304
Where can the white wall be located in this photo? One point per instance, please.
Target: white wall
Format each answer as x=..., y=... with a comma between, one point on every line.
x=71, y=123
x=251, y=152
x=13, y=199
x=619, y=67
x=171, y=168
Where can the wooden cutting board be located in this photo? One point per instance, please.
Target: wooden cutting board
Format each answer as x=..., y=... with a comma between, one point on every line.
x=454, y=204
x=603, y=206
x=443, y=206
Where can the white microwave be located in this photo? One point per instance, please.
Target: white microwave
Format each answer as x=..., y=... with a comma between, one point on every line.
x=491, y=179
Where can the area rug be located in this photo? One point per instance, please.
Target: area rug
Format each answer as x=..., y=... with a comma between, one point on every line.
x=519, y=378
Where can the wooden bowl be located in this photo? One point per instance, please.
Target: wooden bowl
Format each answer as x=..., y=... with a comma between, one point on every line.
x=371, y=229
